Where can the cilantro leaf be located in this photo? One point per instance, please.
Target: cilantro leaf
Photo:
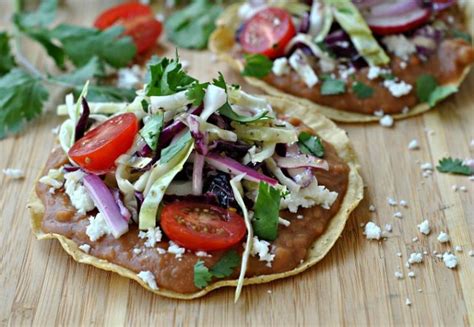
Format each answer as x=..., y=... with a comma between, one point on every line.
x=105, y=93
x=167, y=77
x=453, y=166
x=202, y=275
x=257, y=65
x=22, y=100
x=441, y=93
x=94, y=68
x=42, y=17
x=6, y=59
x=333, y=86
x=220, y=82
x=227, y=111
x=361, y=90
x=191, y=26
x=226, y=265
x=310, y=144
x=425, y=85
x=266, y=212
x=197, y=92
x=223, y=268
x=81, y=44
x=461, y=35
x=152, y=130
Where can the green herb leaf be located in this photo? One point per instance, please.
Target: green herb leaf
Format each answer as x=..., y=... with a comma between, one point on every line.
x=191, y=26
x=197, y=92
x=257, y=65
x=310, y=144
x=94, y=68
x=425, y=85
x=202, y=275
x=226, y=265
x=461, y=35
x=441, y=93
x=167, y=77
x=81, y=44
x=333, y=86
x=42, y=17
x=453, y=166
x=104, y=93
x=361, y=90
x=6, y=59
x=152, y=130
x=220, y=82
x=169, y=152
x=226, y=110
x=266, y=212
x=22, y=98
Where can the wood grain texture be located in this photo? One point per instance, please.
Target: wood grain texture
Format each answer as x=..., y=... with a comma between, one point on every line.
x=354, y=285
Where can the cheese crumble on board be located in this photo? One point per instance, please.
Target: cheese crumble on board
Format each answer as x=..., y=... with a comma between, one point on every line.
x=372, y=231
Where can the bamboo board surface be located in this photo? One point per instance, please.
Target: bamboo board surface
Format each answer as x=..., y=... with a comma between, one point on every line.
x=355, y=283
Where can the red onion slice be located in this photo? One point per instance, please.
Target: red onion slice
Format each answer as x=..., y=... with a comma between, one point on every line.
x=398, y=24
x=394, y=9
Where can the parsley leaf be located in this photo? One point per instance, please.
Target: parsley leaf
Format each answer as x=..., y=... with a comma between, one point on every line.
x=6, y=59
x=453, y=166
x=310, y=144
x=226, y=265
x=425, y=85
x=257, y=65
x=361, y=90
x=22, y=100
x=441, y=93
x=266, y=212
x=223, y=268
x=167, y=77
x=202, y=275
x=333, y=86
x=191, y=26
x=152, y=130
x=197, y=92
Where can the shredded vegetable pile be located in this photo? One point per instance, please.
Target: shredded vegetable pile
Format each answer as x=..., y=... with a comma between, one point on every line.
x=204, y=142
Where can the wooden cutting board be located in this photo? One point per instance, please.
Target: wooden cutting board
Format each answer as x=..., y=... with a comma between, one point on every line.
x=354, y=285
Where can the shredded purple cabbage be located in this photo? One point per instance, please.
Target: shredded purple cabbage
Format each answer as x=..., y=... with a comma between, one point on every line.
x=236, y=150
x=81, y=125
x=218, y=184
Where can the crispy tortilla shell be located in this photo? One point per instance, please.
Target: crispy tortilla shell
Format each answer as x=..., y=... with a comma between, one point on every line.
x=222, y=41
x=326, y=129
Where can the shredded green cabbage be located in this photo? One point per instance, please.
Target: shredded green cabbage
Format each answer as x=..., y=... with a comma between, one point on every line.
x=266, y=134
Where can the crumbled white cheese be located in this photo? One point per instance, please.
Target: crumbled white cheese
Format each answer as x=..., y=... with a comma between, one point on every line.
x=129, y=78
x=399, y=254
x=424, y=227
x=54, y=178
x=176, y=249
x=397, y=89
x=14, y=173
x=403, y=64
x=374, y=72
x=413, y=145
x=415, y=239
x=398, y=214
x=415, y=257
x=399, y=45
x=262, y=249
x=327, y=64
x=77, y=193
x=455, y=188
x=404, y=203
x=471, y=253
x=137, y=250
x=308, y=197
x=152, y=236
x=284, y=222
x=148, y=278
x=372, y=208
x=398, y=275
x=85, y=248
x=408, y=302
x=450, y=260
x=299, y=217
x=458, y=248
x=443, y=237
x=411, y=274
x=372, y=231
x=392, y=202
x=379, y=113
x=405, y=110
x=161, y=250
x=55, y=130
x=426, y=166
x=386, y=121
x=202, y=254
x=97, y=227
x=299, y=62
x=280, y=66
x=388, y=227
x=463, y=188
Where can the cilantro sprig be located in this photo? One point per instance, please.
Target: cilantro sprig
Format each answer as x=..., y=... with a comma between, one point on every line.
x=310, y=144
x=266, y=212
x=361, y=90
x=223, y=268
x=428, y=90
x=24, y=88
x=257, y=65
x=454, y=166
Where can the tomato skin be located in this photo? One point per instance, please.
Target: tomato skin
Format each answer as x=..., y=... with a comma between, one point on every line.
x=200, y=226
x=98, y=149
x=267, y=32
x=138, y=21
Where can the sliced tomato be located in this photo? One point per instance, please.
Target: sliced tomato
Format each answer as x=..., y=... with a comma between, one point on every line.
x=98, y=149
x=138, y=21
x=267, y=32
x=200, y=226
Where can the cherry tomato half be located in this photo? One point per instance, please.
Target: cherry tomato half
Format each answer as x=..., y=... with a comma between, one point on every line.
x=199, y=226
x=98, y=149
x=138, y=21
x=267, y=32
